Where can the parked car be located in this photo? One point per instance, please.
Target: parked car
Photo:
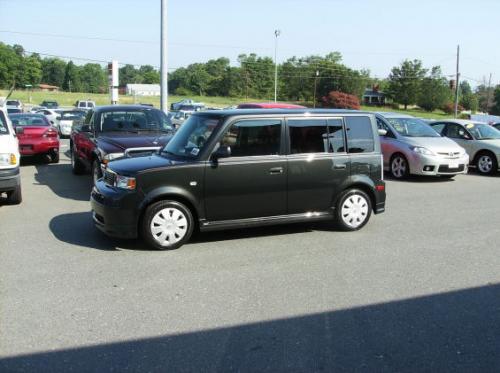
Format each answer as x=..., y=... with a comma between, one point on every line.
x=111, y=132
x=67, y=119
x=10, y=180
x=84, y=104
x=480, y=140
x=180, y=117
x=36, y=135
x=51, y=115
x=14, y=111
x=14, y=104
x=411, y=146
x=187, y=102
x=268, y=105
x=50, y=104
x=242, y=168
x=36, y=108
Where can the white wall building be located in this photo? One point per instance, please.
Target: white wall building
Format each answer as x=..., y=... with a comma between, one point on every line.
x=143, y=89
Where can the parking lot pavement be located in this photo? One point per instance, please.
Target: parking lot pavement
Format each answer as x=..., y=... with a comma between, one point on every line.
x=417, y=289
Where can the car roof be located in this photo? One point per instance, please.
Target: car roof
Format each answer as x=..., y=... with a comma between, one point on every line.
x=269, y=105
x=302, y=112
x=388, y=114
x=123, y=107
x=459, y=121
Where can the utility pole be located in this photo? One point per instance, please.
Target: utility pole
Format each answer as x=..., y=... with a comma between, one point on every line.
x=276, y=34
x=457, y=87
x=488, y=96
x=163, y=54
x=315, y=82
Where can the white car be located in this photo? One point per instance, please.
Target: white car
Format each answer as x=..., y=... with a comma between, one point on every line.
x=10, y=179
x=14, y=104
x=66, y=120
x=51, y=115
x=180, y=117
x=85, y=104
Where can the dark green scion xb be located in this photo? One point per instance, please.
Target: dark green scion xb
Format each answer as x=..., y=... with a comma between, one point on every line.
x=243, y=168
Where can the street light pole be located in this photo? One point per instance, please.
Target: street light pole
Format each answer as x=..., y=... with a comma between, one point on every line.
x=163, y=57
x=276, y=34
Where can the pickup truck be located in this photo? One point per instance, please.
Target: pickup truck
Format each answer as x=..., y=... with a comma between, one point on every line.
x=117, y=131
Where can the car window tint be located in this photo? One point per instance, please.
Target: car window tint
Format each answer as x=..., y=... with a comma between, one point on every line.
x=336, y=140
x=359, y=135
x=308, y=136
x=438, y=127
x=253, y=137
x=455, y=131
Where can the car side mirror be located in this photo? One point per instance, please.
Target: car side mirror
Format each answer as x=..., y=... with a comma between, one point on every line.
x=382, y=132
x=19, y=130
x=221, y=152
x=86, y=128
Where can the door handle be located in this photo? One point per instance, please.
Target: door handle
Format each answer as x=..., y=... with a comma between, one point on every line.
x=341, y=166
x=276, y=170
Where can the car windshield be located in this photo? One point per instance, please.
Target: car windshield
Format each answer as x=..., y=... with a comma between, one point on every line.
x=25, y=120
x=3, y=125
x=482, y=131
x=135, y=120
x=412, y=127
x=71, y=115
x=192, y=137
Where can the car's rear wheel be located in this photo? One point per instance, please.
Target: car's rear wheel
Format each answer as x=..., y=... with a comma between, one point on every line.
x=167, y=225
x=54, y=156
x=399, y=167
x=486, y=163
x=353, y=210
x=15, y=197
x=77, y=166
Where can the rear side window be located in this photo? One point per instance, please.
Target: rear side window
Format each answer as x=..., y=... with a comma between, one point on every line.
x=254, y=138
x=308, y=136
x=359, y=135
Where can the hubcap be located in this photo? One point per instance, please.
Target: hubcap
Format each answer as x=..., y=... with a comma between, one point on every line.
x=354, y=210
x=485, y=164
x=169, y=226
x=398, y=167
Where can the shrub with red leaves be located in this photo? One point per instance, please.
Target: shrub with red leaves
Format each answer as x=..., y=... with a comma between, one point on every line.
x=341, y=100
x=449, y=108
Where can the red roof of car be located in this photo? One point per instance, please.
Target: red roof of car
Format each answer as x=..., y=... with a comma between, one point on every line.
x=271, y=105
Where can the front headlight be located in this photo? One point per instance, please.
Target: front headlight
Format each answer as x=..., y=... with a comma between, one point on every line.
x=125, y=182
x=109, y=157
x=422, y=150
x=8, y=159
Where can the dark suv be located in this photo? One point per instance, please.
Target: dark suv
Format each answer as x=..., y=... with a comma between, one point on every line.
x=242, y=168
x=111, y=132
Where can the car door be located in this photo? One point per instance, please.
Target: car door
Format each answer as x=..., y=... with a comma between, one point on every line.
x=85, y=140
x=389, y=142
x=461, y=136
x=318, y=163
x=251, y=182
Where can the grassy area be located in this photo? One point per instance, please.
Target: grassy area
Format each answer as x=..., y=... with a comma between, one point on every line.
x=69, y=98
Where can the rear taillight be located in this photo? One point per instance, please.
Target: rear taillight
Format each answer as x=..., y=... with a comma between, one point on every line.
x=50, y=133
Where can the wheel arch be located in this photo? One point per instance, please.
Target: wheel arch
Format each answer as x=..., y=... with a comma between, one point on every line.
x=364, y=184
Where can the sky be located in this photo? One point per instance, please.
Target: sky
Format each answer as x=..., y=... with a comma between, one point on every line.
x=373, y=35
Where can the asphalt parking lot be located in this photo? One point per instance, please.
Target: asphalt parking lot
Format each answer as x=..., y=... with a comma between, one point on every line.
x=418, y=289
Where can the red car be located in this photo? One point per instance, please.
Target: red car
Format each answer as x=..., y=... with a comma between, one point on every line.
x=36, y=135
x=270, y=105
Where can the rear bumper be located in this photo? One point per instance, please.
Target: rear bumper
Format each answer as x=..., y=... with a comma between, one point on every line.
x=9, y=179
x=36, y=146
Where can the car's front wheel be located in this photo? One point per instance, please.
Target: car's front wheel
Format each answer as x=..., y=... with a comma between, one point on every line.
x=76, y=165
x=353, y=210
x=167, y=225
x=15, y=197
x=399, y=167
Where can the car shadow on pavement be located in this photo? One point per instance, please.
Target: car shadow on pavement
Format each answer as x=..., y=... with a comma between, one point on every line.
x=455, y=331
x=420, y=179
x=61, y=181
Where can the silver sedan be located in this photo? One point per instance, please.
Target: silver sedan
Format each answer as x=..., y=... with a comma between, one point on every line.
x=411, y=146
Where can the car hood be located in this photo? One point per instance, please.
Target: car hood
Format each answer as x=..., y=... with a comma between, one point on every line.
x=131, y=166
x=434, y=144
x=116, y=142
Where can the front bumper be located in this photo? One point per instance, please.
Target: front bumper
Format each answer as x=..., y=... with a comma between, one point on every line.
x=10, y=179
x=114, y=211
x=37, y=146
x=437, y=165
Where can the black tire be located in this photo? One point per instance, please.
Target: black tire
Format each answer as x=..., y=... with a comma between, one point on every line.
x=77, y=166
x=96, y=170
x=486, y=163
x=355, y=219
x=54, y=157
x=399, y=167
x=15, y=197
x=172, y=212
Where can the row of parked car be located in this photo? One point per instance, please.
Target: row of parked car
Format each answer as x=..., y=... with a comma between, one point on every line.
x=247, y=166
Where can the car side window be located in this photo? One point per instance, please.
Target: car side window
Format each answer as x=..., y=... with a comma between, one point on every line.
x=254, y=137
x=308, y=136
x=359, y=135
x=336, y=138
x=88, y=117
x=438, y=127
x=381, y=125
x=456, y=131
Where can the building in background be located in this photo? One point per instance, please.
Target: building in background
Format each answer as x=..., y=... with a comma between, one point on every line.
x=373, y=96
x=48, y=88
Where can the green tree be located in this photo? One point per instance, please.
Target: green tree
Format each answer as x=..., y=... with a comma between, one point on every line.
x=72, y=81
x=53, y=71
x=485, y=97
x=128, y=75
x=495, y=110
x=434, y=91
x=404, y=82
x=93, y=78
x=30, y=71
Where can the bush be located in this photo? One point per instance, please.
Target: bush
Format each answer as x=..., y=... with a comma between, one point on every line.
x=181, y=91
x=341, y=100
x=449, y=108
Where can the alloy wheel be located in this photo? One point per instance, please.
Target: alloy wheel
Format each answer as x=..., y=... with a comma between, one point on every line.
x=485, y=164
x=169, y=226
x=354, y=210
x=398, y=167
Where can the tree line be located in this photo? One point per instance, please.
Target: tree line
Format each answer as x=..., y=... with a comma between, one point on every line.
x=300, y=79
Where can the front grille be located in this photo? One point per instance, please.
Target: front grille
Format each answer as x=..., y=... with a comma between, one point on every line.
x=445, y=168
x=450, y=155
x=109, y=177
